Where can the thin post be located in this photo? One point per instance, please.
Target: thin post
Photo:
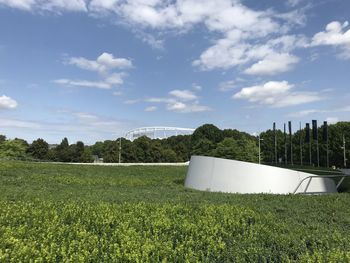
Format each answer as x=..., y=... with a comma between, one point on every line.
x=301, y=145
x=310, y=155
x=275, y=140
x=285, y=145
x=325, y=132
x=259, y=149
x=315, y=138
x=308, y=140
x=120, y=149
x=291, y=141
x=318, y=154
x=344, y=150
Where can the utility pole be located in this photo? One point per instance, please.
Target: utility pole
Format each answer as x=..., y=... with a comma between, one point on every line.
x=326, y=140
x=275, y=140
x=300, y=145
x=120, y=149
x=315, y=138
x=308, y=140
x=291, y=141
x=285, y=145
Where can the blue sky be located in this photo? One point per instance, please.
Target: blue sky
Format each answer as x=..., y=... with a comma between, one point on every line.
x=94, y=69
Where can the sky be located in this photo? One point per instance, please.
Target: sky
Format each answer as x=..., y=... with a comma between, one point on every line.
x=92, y=70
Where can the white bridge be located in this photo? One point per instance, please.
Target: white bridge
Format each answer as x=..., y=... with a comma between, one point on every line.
x=157, y=132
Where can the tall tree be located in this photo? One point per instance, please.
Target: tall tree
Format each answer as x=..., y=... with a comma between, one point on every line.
x=39, y=149
x=241, y=150
x=62, y=151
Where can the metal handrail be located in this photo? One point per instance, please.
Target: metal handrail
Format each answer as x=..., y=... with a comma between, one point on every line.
x=321, y=176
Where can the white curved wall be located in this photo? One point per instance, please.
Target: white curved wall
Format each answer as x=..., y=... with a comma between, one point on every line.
x=222, y=175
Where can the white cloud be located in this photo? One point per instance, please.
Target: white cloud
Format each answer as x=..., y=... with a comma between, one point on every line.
x=304, y=113
x=160, y=100
x=115, y=78
x=74, y=125
x=7, y=103
x=58, y=5
x=294, y=2
x=14, y=123
x=334, y=35
x=100, y=5
x=196, y=87
x=150, y=39
x=83, y=83
x=235, y=50
x=184, y=95
x=103, y=64
x=47, y=5
x=295, y=17
x=273, y=64
x=186, y=108
x=20, y=4
x=181, y=101
x=176, y=106
x=151, y=108
x=130, y=102
x=241, y=30
x=276, y=94
x=224, y=55
x=227, y=85
x=219, y=15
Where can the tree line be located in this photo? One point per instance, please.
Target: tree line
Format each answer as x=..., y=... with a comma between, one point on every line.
x=207, y=140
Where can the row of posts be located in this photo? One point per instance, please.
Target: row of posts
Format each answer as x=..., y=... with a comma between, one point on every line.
x=307, y=140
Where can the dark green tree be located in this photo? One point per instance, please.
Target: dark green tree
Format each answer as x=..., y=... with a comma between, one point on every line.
x=2, y=138
x=209, y=132
x=97, y=149
x=62, y=152
x=86, y=156
x=111, y=152
x=39, y=149
x=242, y=150
x=203, y=147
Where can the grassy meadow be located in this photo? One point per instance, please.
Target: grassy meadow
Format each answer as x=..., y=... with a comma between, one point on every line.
x=73, y=213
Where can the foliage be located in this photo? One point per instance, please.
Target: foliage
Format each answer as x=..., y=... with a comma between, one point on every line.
x=241, y=150
x=2, y=138
x=207, y=140
x=39, y=149
x=203, y=147
x=13, y=149
x=207, y=131
x=73, y=213
x=86, y=156
x=335, y=131
x=111, y=152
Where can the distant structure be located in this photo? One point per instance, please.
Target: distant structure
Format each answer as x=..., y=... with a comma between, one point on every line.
x=157, y=132
x=231, y=176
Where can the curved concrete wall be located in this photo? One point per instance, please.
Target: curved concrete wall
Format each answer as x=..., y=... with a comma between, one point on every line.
x=222, y=175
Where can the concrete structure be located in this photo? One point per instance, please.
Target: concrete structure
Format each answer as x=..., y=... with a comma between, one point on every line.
x=157, y=132
x=222, y=175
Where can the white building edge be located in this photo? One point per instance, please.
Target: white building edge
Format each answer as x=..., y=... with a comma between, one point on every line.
x=157, y=132
x=230, y=176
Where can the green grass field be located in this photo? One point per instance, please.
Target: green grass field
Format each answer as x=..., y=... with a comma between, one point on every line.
x=70, y=213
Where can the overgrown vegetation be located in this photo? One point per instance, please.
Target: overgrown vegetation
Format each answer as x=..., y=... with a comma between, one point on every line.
x=206, y=140
x=57, y=212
